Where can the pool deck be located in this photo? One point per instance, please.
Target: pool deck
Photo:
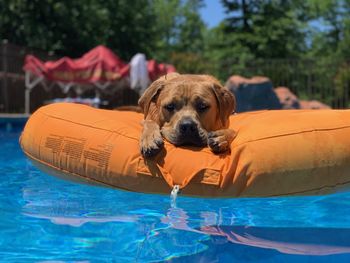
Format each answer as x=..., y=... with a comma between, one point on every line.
x=13, y=117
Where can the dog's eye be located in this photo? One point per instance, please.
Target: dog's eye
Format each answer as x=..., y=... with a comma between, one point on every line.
x=170, y=107
x=201, y=107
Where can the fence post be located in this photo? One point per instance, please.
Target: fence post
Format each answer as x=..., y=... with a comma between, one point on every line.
x=4, y=79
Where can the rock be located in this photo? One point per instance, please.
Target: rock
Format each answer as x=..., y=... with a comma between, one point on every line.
x=253, y=94
x=313, y=104
x=287, y=99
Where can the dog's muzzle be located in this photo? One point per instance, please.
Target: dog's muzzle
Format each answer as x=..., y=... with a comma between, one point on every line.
x=188, y=132
x=188, y=128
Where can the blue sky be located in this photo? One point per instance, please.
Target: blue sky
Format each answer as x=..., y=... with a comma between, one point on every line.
x=213, y=12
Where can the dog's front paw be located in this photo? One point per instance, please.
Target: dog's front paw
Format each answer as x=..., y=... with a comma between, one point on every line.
x=220, y=141
x=151, y=144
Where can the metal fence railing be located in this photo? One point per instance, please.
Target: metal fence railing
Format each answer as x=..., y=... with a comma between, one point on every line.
x=326, y=80
x=12, y=85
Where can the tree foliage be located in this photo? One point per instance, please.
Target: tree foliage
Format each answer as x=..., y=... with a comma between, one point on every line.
x=173, y=31
x=179, y=28
x=269, y=29
x=71, y=28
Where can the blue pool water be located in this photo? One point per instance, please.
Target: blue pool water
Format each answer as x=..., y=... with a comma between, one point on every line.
x=44, y=219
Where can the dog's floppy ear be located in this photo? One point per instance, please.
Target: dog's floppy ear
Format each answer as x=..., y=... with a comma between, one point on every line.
x=150, y=95
x=153, y=91
x=226, y=102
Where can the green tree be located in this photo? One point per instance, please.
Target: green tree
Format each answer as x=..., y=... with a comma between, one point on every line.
x=330, y=40
x=189, y=47
x=179, y=26
x=343, y=29
x=327, y=17
x=191, y=28
x=73, y=27
x=270, y=29
x=180, y=34
x=167, y=15
x=257, y=30
x=224, y=54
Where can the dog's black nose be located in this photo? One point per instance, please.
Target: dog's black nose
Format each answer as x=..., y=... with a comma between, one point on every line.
x=187, y=126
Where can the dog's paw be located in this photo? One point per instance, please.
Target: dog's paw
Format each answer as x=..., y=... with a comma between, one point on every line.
x=151, y=144
x=220, y=141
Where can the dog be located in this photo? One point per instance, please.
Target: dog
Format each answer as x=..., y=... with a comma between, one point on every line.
x=186, y=110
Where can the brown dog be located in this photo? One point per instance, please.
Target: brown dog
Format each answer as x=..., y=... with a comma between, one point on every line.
x=186, y=110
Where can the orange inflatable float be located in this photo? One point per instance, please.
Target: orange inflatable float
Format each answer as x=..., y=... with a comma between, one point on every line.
x=276, y=153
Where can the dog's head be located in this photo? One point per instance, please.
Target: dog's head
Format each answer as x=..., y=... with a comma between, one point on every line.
x=187, y=107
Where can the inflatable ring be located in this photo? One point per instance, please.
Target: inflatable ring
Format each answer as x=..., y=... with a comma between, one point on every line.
x=276, y=153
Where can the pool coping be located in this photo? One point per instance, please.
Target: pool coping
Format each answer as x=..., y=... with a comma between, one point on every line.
x=13, y=117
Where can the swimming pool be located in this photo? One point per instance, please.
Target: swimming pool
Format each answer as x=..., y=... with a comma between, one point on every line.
x=45, y=219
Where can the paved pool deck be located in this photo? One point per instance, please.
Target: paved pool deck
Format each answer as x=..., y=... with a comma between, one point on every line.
x=13, y=117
